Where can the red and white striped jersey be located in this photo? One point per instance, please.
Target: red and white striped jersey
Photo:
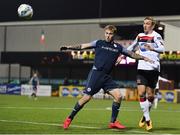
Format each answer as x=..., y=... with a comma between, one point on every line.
x=155, y=40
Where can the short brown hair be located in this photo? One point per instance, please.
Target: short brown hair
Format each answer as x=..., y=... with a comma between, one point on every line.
x=111, y=27
x=151, y=19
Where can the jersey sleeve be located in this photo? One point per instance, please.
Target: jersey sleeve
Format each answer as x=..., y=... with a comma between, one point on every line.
x=93, y=43
x=133, y=46
x=163, y=79
x=159, y=44
x=124, y=51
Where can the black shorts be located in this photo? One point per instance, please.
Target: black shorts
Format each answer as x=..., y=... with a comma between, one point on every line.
x=97, y=80
x=147, y=77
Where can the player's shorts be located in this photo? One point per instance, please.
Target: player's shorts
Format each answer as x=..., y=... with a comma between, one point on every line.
x=147, y=77
x=35, y=87
x=97, y=80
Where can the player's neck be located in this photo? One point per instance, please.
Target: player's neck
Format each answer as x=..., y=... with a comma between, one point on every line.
x=112, y=41
x=148, y=32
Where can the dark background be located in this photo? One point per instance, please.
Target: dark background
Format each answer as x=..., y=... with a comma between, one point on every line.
x=86, y=9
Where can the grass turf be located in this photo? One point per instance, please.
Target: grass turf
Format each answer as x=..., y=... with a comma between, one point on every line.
x=21, y=115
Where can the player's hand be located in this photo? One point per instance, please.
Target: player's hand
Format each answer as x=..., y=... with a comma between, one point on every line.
x=63, y=48
x=148, y=60
x=148, y=47
x=119, y=59
x=169, y=81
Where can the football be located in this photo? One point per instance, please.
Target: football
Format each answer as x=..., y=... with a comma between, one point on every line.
x=25, y=11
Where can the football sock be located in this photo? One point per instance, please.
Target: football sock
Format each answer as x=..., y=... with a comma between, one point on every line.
x=145, y=108
x=142, y=98
x=150, y=100
x=75, y=110
x=115, y=111
x=148, y=122
x=33, y=94
x=155, y=102
x=143, y=119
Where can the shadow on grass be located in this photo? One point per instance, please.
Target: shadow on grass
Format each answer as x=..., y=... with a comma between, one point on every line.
x=166, y=129
x=104, y=130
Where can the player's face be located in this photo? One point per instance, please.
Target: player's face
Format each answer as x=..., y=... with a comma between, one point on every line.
x=148, y=27
x=109, y=35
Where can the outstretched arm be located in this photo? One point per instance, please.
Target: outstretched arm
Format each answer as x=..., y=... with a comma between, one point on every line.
x=135, y=55
x=30, y=81
x=79, y=47
x=164, y=79
x=134, y=45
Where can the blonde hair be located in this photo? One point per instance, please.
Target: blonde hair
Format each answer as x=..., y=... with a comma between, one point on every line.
x=111, y=28
x=151, y=19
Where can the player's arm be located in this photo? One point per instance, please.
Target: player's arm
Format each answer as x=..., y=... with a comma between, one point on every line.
x=30, y=82
x=134, y=45
x=38, y=82
x=79, y=47
x=159, y=48
x=119, y=59
x=164, y=79
x=135, y=55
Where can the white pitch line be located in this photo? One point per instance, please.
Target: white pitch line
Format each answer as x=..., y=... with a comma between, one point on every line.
x=47, y=124
x=60, y=125
x=78, y=126
x=89, y=109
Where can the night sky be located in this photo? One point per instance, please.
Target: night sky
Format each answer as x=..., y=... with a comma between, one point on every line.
x=87, y=9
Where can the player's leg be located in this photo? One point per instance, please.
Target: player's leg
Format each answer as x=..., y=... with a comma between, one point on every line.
x=150, y=99
x=150, y=96
x=152, y=81
x=143, y=104
x=115, y=93
x=78, y=106
x=92, y=87
x=35, y=92
x=156, y=98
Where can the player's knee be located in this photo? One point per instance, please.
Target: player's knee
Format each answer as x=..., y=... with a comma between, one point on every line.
x=142, y=94
x=85, y=99
x=118, y=97
x=150, y=98
x=150, y=94
x=144, y=109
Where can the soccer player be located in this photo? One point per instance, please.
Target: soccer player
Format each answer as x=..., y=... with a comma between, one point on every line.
x=106, y=53
x=157, y=90
x=149, y=44
x=34, y=81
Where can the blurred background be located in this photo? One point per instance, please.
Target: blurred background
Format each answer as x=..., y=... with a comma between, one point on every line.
x=28, y=46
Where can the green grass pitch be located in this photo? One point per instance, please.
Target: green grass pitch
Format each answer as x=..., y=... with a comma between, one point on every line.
x=21, y=115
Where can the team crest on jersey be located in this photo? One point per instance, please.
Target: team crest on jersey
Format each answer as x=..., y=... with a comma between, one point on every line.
x=89, y=89
x=115, y=45
x=159, y=38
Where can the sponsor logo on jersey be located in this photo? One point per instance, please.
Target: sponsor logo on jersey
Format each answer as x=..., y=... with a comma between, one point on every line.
x=109, y=49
